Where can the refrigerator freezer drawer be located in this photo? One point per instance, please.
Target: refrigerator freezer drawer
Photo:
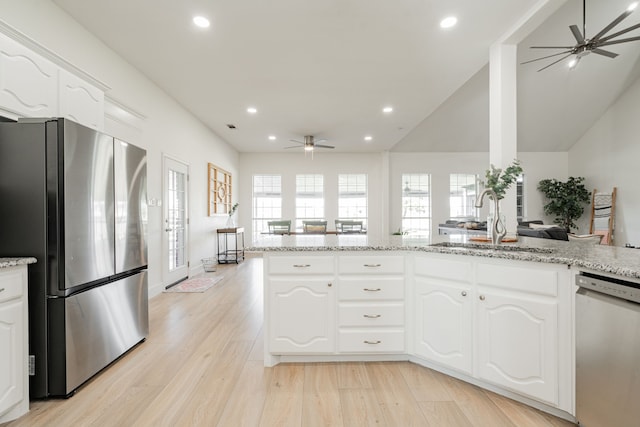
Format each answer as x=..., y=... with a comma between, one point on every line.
x=101, y=324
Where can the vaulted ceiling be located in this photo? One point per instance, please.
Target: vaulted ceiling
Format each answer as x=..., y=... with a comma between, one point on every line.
x=328, y=68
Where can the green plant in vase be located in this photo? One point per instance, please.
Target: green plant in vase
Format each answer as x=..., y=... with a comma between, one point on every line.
x=566, y=200
x=500, y=180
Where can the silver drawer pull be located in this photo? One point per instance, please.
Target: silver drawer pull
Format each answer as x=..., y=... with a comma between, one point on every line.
x=372, y=290
x=372, y=316
x=372, y=342
x=1, y=289
x=301, y=265
x=373, y=265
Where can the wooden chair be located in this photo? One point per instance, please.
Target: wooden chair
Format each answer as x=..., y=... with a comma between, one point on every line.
x=348, y=226
x=279, y=227
x=314, y=227
x=603, y=210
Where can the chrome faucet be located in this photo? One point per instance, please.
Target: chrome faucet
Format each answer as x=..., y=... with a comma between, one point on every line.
x=498, y=230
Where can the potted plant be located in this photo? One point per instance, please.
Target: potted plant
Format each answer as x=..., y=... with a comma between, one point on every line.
x=230, y=221
x=500, y=180
x=566, y=200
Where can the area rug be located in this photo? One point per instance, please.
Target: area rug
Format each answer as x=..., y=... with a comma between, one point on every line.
x=196, y=284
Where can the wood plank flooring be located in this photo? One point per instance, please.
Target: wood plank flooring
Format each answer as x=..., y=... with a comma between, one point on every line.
x=202, y=366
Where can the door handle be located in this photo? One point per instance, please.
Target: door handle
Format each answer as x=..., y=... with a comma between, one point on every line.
x=372, y=265
x=371, y=316
x=168, y=229
x=372, y=342
x=372, y=290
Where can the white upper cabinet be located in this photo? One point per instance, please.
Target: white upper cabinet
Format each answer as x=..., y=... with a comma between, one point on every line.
x=28, y=82
x=80, y=101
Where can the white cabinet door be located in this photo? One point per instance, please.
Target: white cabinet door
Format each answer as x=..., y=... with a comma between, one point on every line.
x=518, y=342
x=302, y=318
x=28, y=82
x=80, y=101
x=12, y=355
x=443, y=328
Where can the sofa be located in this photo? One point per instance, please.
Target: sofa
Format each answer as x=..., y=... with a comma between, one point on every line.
x=540, y=230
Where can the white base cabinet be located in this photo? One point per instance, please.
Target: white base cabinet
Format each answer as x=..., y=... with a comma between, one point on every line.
x=504, y=324
x=14, y=376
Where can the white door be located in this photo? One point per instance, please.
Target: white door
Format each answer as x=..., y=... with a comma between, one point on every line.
x=176, y=221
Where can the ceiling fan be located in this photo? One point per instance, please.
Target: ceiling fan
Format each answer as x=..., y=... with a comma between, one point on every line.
x=585, y=46
x=310, y=143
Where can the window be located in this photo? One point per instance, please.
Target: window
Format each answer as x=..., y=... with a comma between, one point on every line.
x=267, y=201
x=352, y=197
x=416, y=205
x=309, y=198
x=520, y=197
x=463, y=189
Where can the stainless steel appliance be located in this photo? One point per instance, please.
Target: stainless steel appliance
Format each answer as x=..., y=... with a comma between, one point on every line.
x=75, y=199
x=607, y=351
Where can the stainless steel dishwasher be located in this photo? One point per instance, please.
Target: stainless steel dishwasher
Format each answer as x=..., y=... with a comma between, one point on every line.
x=607, y=351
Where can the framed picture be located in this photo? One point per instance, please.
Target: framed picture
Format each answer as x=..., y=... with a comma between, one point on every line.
x=220, y=190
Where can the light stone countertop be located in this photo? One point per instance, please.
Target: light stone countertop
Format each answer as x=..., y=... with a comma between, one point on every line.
x=12, y=262
x=614, y=260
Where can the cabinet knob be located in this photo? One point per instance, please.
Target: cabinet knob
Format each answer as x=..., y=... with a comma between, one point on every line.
x=329, y=284
x=372, y=316
x=372, y=265
x=464, y=293
x=168, y=229
x=301, y=265
x=372, y=342
x=1, y=289
x=482, y=297
x=372, y=290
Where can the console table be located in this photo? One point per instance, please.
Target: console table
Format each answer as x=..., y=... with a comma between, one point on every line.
x=230, y=245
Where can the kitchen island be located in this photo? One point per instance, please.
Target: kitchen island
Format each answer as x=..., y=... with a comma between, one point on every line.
x=498, y=317
x=14, y=375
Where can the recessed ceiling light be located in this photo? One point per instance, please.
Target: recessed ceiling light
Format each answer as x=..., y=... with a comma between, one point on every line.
x=201, y=21
x=252, y=110
x=272, y=137
x=368, y=138
x=387, y=109
x=448, y=22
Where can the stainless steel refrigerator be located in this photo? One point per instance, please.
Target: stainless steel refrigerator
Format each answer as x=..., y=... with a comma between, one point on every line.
x=75, y=199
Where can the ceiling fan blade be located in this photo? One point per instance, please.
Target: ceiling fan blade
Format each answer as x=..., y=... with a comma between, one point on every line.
x=294, y=140
x=604, y=52
x=555, y=62
x=323, y=146
x=576, y=33
x=293, y=146
x=610, y=42
x=613, y=23
x=319, y=140
x=545, y=57
x=550, y=47
x=619, y=33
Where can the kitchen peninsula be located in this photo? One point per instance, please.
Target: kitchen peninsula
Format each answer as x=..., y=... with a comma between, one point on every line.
x=498, y=317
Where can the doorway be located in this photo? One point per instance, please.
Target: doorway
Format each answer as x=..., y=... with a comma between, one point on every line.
x=176, y=221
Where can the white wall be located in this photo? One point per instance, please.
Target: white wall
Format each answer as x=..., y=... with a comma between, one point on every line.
x=607, y=156
x=166, y=129
x=328, y=164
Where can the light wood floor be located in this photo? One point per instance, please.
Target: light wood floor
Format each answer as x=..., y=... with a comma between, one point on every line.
x=202, y=366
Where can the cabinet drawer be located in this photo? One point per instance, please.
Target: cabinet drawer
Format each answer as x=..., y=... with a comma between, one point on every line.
x=11, y=284
x=441, y=268
x=311, y=264
x=370, y=264
x=371, y=341
x=371, y=315
x=370, y=290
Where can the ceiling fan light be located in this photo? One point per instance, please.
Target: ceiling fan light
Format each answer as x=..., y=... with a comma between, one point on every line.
x=308, y=147
x=632, y=6
x=574, y=62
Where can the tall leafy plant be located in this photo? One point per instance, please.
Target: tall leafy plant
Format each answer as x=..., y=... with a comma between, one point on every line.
x=566, y=200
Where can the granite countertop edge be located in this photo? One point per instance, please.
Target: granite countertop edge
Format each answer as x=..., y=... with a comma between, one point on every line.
x=13, y=262
x=550, y=258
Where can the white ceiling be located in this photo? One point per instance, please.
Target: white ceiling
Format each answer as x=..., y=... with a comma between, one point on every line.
x=327, y=68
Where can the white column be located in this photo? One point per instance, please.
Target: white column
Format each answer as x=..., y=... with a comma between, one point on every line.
x=503, y=119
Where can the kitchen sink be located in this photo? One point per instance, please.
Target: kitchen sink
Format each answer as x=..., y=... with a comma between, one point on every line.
x=490, y=247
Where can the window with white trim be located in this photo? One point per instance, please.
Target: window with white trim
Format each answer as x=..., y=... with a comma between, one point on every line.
x=416, y=204
x=309, y=198
x=463, y=189
x=352, y=197
x=267, y=201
